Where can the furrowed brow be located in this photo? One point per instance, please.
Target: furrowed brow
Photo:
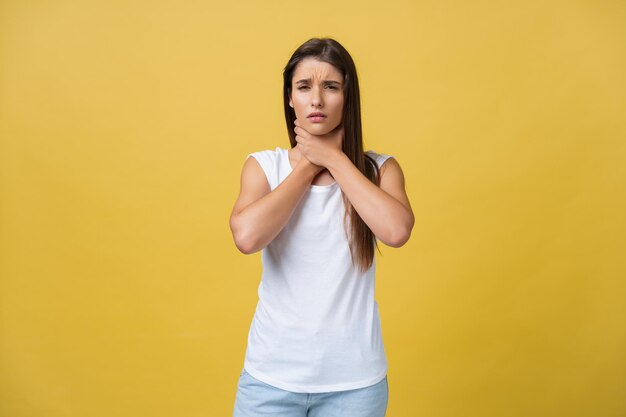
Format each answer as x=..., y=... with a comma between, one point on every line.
x=307, y=80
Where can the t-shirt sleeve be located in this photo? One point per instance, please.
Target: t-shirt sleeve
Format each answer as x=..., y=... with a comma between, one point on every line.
x=267, y=161
x=380, y=158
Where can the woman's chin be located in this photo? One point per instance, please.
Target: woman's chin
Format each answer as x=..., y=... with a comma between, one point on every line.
x=319, y=129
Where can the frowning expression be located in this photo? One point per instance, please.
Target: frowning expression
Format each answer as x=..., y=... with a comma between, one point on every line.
x=317, y=88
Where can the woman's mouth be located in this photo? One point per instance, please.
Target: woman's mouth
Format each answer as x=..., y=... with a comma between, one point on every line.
x=316, y=117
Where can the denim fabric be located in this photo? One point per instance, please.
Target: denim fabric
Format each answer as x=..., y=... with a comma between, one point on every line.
x=256, y=399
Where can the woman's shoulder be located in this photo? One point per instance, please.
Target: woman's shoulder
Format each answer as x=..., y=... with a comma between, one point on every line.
x=278, y=150
x=271, y=160
x=269, y=156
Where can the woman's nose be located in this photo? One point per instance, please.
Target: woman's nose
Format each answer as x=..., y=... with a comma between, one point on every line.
x=316, y=97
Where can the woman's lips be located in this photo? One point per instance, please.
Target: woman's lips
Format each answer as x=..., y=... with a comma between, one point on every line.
x=317, y=119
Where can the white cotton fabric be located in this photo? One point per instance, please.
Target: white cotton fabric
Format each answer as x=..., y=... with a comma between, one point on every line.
x=316, y=327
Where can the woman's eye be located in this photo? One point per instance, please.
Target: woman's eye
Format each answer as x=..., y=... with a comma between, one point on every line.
x=304, y=87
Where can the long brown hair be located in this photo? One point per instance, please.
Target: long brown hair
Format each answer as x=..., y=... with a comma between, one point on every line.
x=361, y=239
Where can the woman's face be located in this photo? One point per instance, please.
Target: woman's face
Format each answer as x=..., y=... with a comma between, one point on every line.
x=317, y=87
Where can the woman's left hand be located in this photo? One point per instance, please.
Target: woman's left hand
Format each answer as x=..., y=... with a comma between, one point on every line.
x=319, y=149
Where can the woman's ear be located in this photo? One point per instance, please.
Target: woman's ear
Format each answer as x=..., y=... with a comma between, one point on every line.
x=290, y=102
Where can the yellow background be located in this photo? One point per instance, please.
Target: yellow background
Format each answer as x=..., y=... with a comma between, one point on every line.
x=124, y=126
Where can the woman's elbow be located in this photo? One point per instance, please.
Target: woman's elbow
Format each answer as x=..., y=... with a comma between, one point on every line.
x=399, y=238
x=243, y=242
x=401, y=234
x=244, y=246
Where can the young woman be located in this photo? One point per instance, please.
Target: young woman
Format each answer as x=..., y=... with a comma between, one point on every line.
x=316, y=210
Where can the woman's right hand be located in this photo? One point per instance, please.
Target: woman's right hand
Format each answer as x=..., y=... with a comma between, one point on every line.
x=315, y=169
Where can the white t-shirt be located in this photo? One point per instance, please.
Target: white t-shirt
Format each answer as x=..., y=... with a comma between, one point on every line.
x=316, y=327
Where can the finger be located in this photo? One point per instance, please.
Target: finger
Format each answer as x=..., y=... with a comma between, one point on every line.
x=300, y=131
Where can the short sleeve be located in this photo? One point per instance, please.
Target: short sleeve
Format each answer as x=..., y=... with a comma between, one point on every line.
x=380, y=158
x=267, y=160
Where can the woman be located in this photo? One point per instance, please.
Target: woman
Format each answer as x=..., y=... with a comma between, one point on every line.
x=316, y=211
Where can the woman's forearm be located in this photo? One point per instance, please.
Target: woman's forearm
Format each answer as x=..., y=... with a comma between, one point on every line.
x=259, y=223
x=388, y=218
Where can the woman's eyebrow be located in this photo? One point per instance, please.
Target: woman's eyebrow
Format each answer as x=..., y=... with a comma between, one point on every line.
x=325, y=81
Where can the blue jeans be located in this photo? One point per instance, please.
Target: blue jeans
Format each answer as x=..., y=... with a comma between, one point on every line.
x=255, y=398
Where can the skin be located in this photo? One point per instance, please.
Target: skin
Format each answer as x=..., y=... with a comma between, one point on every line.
x=321, y=92
x=259, y=213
